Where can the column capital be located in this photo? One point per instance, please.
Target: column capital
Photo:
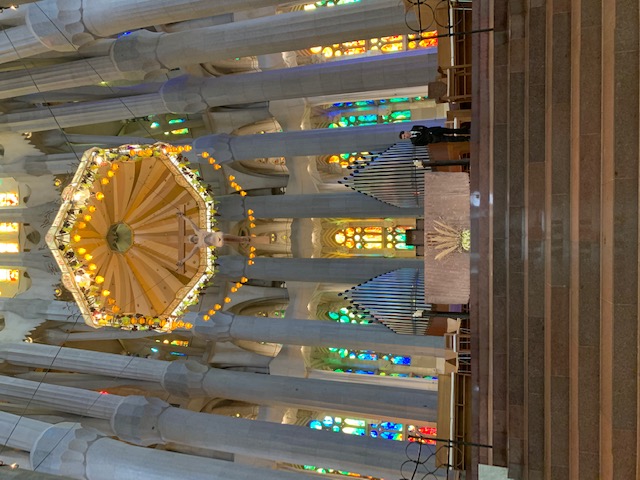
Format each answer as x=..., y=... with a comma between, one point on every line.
x=136, y=420
x=184, y=94
x=185, y=379
x=62, y=449
x=58, y=24
x=218, y=328
x=137, y=51
x=218, y=146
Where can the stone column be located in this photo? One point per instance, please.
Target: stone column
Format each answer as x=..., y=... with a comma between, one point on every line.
x=225, y=326
x=193, y=380
x=69, y=449
x=21, y=474
x=322, y=141
x=144, y=52
x=316, y=205
x=327, y=270
x=264, y=35
x=150, y=421
x=20, y=432
x=106, y=19
x=192, y=95
x=65, y=26
x=41, y=309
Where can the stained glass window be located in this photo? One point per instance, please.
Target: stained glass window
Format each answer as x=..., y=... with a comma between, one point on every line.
x=9, y=199
x=346, y=159
x=371, y=119
x=9, y=227
x=389, y=44
x=9, y=247
x=370, y=355
x=179, y=343
x=346, y=315
x=9, y=275
x=385, y=429
x=328, y=3
x=373, y=238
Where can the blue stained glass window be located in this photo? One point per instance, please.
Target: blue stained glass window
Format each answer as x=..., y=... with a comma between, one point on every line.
x=368, y=356
x=398, y=360
x=316, y=425
x=391, y=426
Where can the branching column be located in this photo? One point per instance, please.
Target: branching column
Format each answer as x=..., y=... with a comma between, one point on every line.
x=192, y=95
x=227, y=326
x=328, y=270
x=320, y=205
x=190, y=379
x=65, y=26
x=322, y=141
x=83, y=453
x=143, y=52
x=149, y=421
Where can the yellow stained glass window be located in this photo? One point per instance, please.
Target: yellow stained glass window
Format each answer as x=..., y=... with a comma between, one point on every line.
x=12, y=247
x=372, y=237
x=9, y=227
x=9, y=275
x=9, y=199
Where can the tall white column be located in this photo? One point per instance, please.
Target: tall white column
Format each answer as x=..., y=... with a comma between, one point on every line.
x=321, y=141
x=83, y=453
x=225, y=326
x=328, y=270
x=150, y=421
x=189, y=379
x=191, y=95
x=315, y=205
x=65, y=26
x=264, y=35
x=143, y=52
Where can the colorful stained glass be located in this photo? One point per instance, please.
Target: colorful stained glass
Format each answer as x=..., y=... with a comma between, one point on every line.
x=9, y=275
x=9, y=227
x=372, y=239
x=9, y=247
x=9, y=199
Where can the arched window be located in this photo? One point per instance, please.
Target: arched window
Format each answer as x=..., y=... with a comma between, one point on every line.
x=346, y=315
x=373, y=238
x=9, y=192
x=389, y=44
x=370, y=355
x=384, y=429
x=371, y=119
x=13, y=282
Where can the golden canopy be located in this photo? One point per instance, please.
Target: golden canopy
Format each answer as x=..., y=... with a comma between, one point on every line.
x=117, y=238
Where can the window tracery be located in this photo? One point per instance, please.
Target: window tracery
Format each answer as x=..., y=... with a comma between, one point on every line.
x=373, y=238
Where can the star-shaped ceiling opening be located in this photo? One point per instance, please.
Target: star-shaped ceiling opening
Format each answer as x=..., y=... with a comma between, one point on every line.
x=117, y=237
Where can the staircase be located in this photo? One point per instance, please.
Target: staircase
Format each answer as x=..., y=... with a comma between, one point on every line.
x=555, y=289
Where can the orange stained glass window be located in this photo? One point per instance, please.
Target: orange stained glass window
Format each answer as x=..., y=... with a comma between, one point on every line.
x=9, y=275
x=389, y=44
x=9, y=199
x=372, y=238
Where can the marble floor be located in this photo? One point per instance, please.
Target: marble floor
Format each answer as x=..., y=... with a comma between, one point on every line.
x=554, y=181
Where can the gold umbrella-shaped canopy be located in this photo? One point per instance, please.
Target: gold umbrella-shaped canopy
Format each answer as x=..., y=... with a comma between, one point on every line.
x=117, y=238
